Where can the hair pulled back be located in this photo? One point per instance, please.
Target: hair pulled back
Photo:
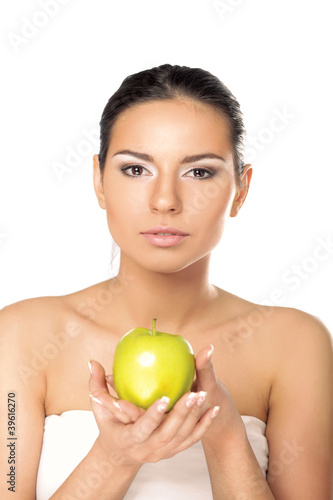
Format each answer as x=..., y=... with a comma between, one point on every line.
x=174, y=82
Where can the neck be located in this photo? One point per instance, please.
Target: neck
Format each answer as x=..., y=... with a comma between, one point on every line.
x=176, y=299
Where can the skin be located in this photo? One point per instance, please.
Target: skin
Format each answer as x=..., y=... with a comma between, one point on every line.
x=268, y=362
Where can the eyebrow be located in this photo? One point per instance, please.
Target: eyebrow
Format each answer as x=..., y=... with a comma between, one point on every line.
x=186, y=159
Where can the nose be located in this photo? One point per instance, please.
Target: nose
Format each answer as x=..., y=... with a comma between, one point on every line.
x=166, y=195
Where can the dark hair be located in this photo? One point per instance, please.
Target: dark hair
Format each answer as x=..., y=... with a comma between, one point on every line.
x=172, y=82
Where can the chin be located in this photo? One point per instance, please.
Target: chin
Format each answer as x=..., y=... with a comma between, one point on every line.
x=165, y=267
x=169, y=265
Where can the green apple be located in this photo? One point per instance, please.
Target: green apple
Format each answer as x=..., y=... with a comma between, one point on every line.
x=148, y=365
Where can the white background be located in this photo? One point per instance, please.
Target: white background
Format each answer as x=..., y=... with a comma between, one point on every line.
x=56, y=79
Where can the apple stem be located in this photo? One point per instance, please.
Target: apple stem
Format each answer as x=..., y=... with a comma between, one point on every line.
x=154, y=326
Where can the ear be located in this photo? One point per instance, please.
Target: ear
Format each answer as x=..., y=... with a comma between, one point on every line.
x=98, y=182
x=242, y=190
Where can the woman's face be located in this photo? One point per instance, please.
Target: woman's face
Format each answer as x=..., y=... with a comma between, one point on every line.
x=169, y=170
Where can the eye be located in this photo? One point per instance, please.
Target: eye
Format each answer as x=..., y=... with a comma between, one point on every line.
x=135, y=171
x=200, y=173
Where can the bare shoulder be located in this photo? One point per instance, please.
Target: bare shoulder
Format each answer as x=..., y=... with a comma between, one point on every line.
x=278, y=335
x=300, y=404
x=34, y=332
x=31, y=328
x=27, y=320
x=302, y=348
x=36, y=315
x=24, y=327
x=282, y=326
x=293, y=328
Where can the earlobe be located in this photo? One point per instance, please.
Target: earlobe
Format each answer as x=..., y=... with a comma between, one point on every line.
x=242, y=190
x=98, y=186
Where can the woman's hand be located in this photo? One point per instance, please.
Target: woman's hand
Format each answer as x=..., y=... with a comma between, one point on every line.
x=228, y=424
x=133, y=436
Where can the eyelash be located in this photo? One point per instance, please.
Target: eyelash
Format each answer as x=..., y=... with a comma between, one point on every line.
x=205, y=171
x=201, y=169
x=127, y=167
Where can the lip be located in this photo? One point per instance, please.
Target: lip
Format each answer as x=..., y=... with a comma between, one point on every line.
x=175, y=237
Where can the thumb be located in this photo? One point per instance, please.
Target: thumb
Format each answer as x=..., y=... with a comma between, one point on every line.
x=205, y=374
x=98, y=390
x=106, y=405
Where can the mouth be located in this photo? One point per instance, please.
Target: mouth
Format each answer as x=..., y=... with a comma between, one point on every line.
x=164, y=236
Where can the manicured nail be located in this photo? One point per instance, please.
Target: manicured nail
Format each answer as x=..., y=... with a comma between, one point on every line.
x=201, y=398
x=210, y=352
x=191, y=399
x=117, y=405
x=215, y=411
x=89, y=365
x=163, y=404
x=95, y=399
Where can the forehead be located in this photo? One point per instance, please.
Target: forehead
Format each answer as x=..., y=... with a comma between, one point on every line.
x=178, y=123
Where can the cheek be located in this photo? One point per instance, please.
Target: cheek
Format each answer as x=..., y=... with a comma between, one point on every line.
x=210, y=203
x=122, y=210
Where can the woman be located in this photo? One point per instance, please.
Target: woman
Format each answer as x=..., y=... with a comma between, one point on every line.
x=169, y=174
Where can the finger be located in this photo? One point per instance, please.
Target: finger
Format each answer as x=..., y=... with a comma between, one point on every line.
x=104, y=406
x=205, y=375
x=182, y=418
x=111, y=387
x=150, y=420
x=97, y=384
x=198, y=431
x=131, y=410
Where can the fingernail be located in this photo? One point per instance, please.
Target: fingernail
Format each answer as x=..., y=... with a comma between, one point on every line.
x=210, y=352
x=215, y=411
x=95, y=399
x=163, y=404
x=201, y=398
x=117, y=405
x=90, y=367
x=191, y=399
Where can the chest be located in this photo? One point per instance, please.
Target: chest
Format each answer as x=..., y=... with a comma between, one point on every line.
x=239, y=363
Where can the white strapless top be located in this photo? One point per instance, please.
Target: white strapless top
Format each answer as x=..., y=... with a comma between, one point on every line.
x=69, y=437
